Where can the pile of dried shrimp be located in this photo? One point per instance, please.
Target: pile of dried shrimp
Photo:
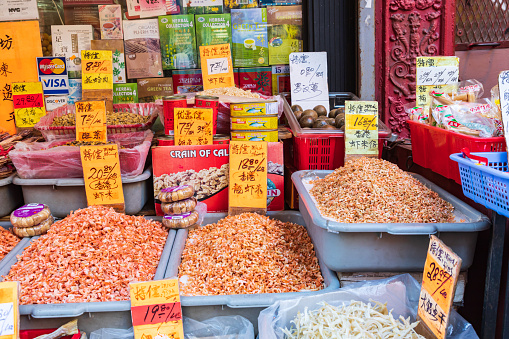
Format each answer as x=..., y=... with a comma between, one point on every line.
x=91, y=255
x=247, y=254
x=368, y=190
x=357, y=320
x=7, y=242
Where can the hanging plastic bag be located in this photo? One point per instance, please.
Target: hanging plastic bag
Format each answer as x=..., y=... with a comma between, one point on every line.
x=401, y=293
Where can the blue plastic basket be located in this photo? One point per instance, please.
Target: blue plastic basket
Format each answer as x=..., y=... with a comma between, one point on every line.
x=487, y=185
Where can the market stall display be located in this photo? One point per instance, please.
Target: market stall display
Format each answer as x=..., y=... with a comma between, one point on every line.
x=7, y=242
x=31, y=220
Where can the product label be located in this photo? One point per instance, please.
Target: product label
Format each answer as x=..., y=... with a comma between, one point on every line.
x=28, y=103
x=74, y=91
x=193, y=126
x=249, y=37
x=361, y=127
x=68, y=41
x=125, y=93
x=174, y=189
x=111, y=22
x=178, y=41
x=91, y=121
x=28, y=210
x=202, y=7
x=178, y=216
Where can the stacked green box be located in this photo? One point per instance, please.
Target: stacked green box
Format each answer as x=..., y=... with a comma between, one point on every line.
x=285, y=32
x=249, y=37
x=178, y=41
x=213, y=29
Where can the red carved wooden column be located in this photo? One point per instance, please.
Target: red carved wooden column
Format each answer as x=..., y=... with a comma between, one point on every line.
x=406, y=29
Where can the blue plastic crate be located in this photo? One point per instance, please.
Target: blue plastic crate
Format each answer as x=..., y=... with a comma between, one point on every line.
x=487, y=185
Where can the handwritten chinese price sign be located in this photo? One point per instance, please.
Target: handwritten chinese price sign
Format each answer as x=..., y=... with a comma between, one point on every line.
x=97, y=70
x=308, y=78
x=101, y=171
x=156, y=310
x=361, y=127
x=434, y=72
x=28, y=101
x=9, y=310
x=248, y=176
x=193, y=126
x=503, y=86
x=91, y=121
x=216, y=66
x=441, y=273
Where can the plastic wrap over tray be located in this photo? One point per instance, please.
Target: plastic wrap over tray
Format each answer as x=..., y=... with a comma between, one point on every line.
x=49, y=160
x=51, y=133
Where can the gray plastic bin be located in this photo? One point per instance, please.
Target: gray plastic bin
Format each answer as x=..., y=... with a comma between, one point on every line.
x=10, y=196
x=375, y=247
x=247, y=305
x=19, y=246
x=91, y=316
x=66, y=195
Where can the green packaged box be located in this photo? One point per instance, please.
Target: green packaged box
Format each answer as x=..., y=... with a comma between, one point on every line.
x=201, y=6
x=213, y=29
x=239, y=4
x=284, y=31
x=125, y=93
x=249, y=37
x=178, y=41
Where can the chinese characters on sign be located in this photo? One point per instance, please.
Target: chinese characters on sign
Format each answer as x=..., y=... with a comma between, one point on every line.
x=439, y=280
x=503, y=86
x=248, y=175
x=216, y=66
x=156, y=310
x=432, y=73
x=91, y=121
x=361, y=127
x=193, y=126
x=20, y=44
x=308, y=78
x=28, y=103
x=101, y=171
x=97, y=70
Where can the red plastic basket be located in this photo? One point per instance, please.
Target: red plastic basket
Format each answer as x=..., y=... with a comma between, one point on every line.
x=324, y=152
x=31, y=334
x=432, y=146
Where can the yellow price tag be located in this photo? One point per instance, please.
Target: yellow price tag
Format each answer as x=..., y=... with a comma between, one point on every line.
x=216, y=66
x=156, y=309
x=9, y=308
x=193, y=126
x=97, y=70
x=361, y=127
x=28, y=101
x=91, y=121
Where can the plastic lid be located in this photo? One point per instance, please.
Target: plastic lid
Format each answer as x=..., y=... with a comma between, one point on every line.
x=28, y=210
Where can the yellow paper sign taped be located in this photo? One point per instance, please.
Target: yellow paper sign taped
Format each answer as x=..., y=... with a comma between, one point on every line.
x=193, y=126
x=361, y=128
x=439, y=70
x=216, y=66
x=156, y=309
x=439, y=280
x=9, y=308
x=248, y=174
x=28, y=101
x=91, y=121
x=101, y=171
x=97, y=70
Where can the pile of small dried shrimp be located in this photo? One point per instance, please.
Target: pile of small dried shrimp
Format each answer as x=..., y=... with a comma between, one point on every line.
x=91, y=255
x=247, y=254
x=7, y=242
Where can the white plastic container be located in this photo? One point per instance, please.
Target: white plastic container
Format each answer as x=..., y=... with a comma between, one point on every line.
x=10, y=196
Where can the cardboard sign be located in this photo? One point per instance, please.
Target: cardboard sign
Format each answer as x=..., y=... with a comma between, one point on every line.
x=91, y=121
x=28, y=103
x=11, y=10
x=97, y=70
x=155, y=309
x=193, y=126
x=101, y=171
x=503, y=86
x=308, y=78
x=216, y=66
x=361, y=127
x=53, y=75
x=439, y=280
x=248, y=176
x=9, y=310
x=20, y=44
x=434, y=72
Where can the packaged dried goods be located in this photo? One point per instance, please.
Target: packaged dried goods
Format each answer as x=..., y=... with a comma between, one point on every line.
x=368, y=190
x=68, y=329
x=172, y=194
x=117, y=118
x=30, y=215
x=92, y=255
x=179, y=207
x=184, y=220
x=7, y=242
x=38, y=229
x=248, y=254
x=7, y=143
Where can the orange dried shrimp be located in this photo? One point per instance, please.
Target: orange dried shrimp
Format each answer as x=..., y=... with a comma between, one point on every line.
x=248, y=254
x=91, y=255
x=7, y=242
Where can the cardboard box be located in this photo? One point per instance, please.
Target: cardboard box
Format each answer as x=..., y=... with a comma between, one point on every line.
x=178, y=41
x=125, y=93
x=249, y=37
x=284, y=32
x=83, y=15
x=142, y=49
x=151, y=89
x=239, y=4
x=206, y=168
x=187, y=81
x=117, y=51
x=256, y=79
x=68, y=41
x=281, y=79
x=110, y=17
x=201, y=6
x=213, y=29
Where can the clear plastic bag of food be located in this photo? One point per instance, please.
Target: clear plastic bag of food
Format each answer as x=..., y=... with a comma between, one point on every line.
x=459, y=118
x=465, y=91
x=401, y=293
x=416, y=113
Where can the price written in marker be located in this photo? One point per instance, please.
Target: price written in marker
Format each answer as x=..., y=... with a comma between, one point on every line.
x=216, y=66
x=156, y=309
x=91, y=121
x=28, y=101
x=248, y=175
x=9, y=310
x=101, y=171
x=433, y=73
x=193, y=126
x=361, y=127
x=439, y=280
x=97, y=70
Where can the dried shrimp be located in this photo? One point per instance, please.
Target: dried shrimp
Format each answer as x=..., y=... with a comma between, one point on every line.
x=7, y=242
